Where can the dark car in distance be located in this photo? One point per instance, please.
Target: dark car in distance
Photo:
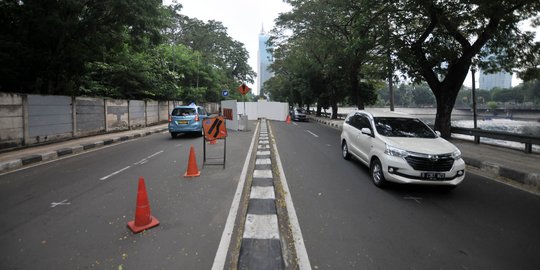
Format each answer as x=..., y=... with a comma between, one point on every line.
x=298, y=114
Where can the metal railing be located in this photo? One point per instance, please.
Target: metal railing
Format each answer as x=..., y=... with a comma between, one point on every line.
x=477, y=133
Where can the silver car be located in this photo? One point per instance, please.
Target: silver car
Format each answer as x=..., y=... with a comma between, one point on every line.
x=298, y=114
x=401, y=148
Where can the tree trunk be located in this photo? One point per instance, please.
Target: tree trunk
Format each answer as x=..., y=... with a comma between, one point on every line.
x=334, y=109
x=446, y=94
x=355, y=87
x=319, y=107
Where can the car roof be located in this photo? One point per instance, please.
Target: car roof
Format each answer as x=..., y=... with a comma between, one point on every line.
x=187, y=106
x=377, y=113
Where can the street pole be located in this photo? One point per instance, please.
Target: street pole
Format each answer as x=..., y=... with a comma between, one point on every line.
x=390, y=68
x=473, y=71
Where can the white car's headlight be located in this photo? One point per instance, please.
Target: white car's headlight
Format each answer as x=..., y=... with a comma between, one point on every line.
x=396, y=152
x=456, y=154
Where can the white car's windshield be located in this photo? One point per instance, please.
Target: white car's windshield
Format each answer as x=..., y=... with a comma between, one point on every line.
x=402, y=127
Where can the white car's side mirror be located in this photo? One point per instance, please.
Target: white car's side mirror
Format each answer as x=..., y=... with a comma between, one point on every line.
x=438, y=133
x=366, y=131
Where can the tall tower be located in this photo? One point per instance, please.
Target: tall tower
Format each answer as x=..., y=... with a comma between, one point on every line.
x=264, y=59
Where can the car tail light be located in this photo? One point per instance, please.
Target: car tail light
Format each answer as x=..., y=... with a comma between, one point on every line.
x=197, y=117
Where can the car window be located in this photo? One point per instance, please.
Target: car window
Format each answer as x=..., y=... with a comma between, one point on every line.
x=358, y=121
x=363, y=122
x=351, y=119
x=403, y=127
x=183, y=111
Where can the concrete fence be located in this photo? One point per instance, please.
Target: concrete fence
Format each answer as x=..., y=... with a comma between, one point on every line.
x=35, y=119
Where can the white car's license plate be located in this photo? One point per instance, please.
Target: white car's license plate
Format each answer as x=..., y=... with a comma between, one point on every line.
x=433, y=176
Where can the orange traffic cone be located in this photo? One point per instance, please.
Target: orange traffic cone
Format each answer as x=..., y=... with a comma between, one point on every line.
x=192, y=169
x=288, y=119
x=143, y=219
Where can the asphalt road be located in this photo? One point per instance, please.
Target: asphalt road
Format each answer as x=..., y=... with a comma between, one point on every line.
x=72, y=213
x=348, y=223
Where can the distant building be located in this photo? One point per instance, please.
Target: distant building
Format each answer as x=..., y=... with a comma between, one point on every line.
x=495, y=80
x=264, y=59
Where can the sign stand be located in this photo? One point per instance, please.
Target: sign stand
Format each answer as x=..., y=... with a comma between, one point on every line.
x=243, y=90
x=224, y=154
x=215, y=129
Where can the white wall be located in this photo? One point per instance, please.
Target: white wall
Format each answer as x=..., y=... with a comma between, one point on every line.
x=231, y=104
x=273, y=110
x=263, y=109
x=251, y=109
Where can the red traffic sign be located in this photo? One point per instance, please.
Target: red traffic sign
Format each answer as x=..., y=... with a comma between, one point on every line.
x=214, y=128
x=243, y=89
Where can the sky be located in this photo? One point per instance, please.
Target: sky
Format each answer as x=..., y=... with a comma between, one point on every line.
x=243, y=19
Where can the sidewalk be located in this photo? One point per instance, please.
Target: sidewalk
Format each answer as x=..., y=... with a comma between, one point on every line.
x=16, y=159
x=511, y=166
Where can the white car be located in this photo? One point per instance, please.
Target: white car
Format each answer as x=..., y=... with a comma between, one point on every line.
x=401, y=148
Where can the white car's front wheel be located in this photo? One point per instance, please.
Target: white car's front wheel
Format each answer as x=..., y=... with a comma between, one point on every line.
x=345, y=151
x=377, y=174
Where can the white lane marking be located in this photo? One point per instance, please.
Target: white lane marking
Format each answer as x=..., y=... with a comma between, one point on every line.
x=314, y=135
x=64, y=202
x=223, y=248
x=301, y=253
x=178, y=145
x=295, y=124
x=114, y=173
x=263, y=153
x=142, y=161
x=261, y=227
x=262, y=193
x=416, y=199
x=145, y=160
x=155, y=154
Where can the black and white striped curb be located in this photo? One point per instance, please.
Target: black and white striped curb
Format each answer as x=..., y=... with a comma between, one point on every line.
x=18, y=163
x=261, y=245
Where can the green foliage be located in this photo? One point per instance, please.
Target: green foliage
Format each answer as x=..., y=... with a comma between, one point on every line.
x=506, y=95
x=492, y=105
x=121, y=49
x=437, y=41
x=326, y=57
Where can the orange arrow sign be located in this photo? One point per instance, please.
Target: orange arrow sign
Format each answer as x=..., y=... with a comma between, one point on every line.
x=243, y=89
x=214, y=128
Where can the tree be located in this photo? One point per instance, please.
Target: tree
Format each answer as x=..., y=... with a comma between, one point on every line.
x=122, y=49
x=507, y=95
x=438, y=40
x=338, y=40
x=423, y=96
x=47, y=44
